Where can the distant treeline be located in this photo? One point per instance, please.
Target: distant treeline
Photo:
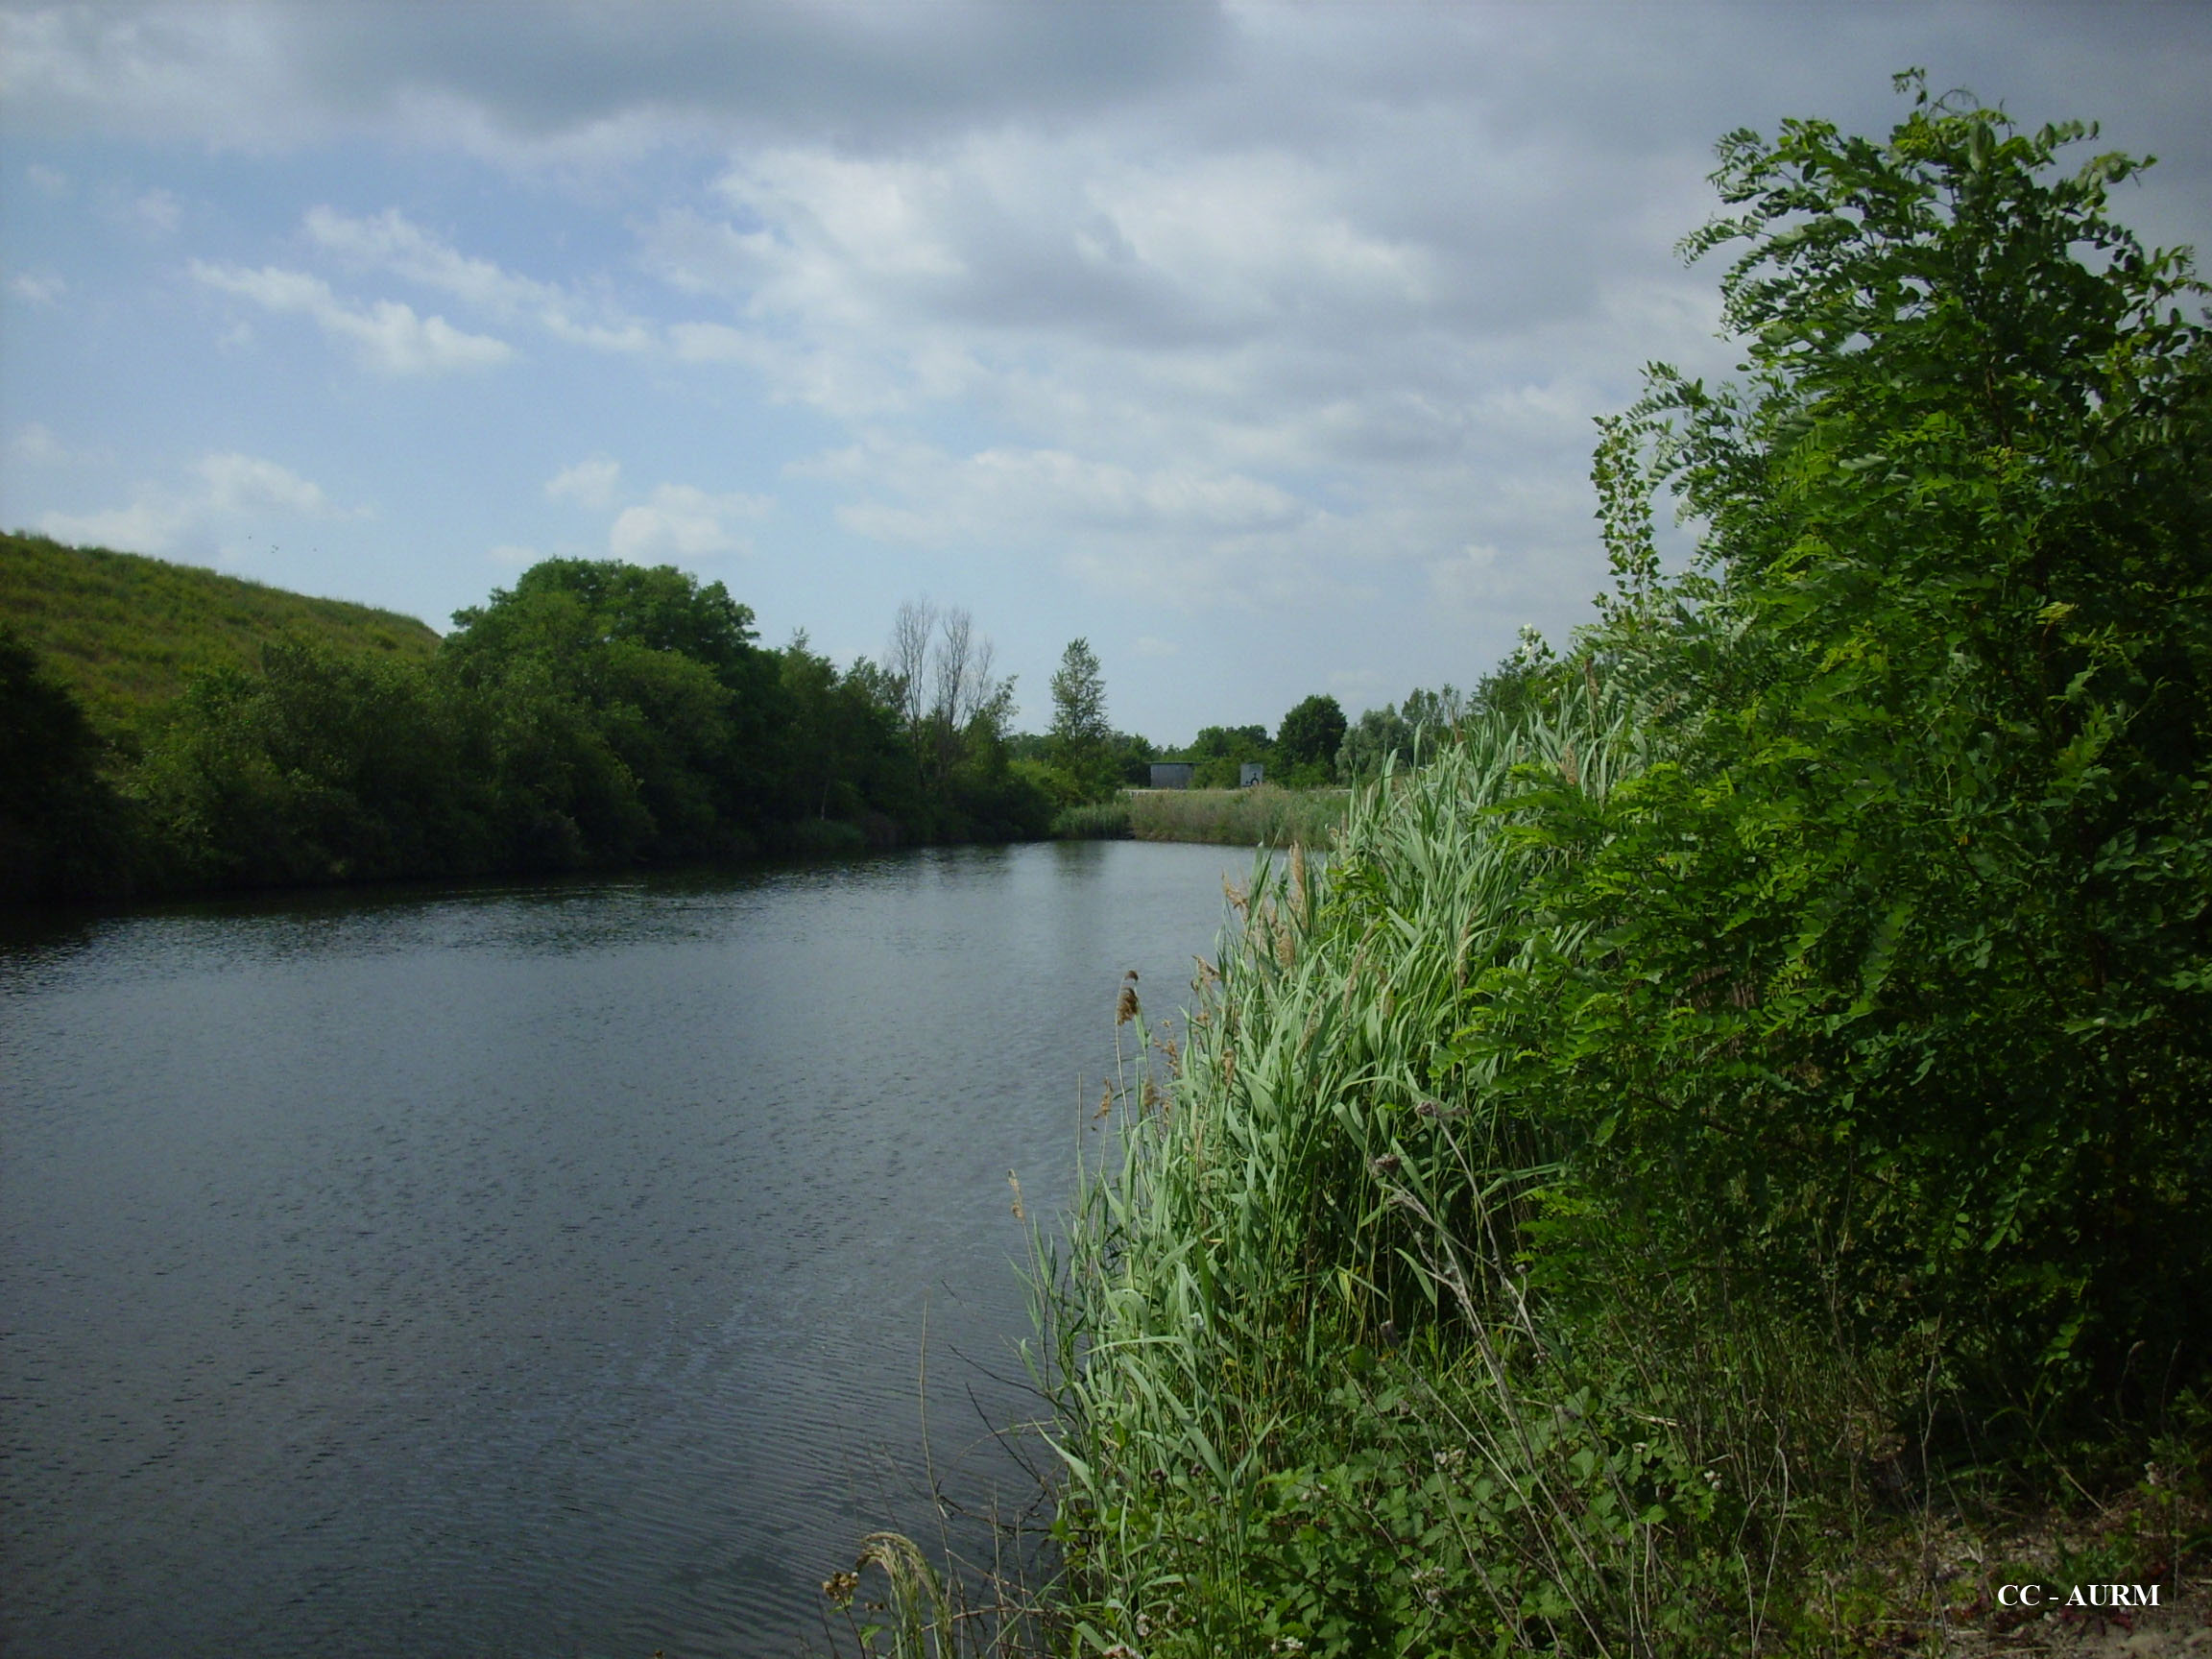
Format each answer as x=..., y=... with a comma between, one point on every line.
x=596, y=714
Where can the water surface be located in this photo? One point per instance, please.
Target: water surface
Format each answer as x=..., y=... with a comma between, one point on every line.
x=535, y=1270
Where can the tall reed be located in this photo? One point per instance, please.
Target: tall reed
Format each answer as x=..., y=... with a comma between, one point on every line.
x=1260, y=816
x=1309, y=1400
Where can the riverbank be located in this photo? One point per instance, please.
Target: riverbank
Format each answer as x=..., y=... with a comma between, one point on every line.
x=1260, y=816
x=1362, y=1348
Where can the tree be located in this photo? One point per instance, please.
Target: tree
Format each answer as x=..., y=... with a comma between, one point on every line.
x=1081, y=746
x=62, y=828
x=1220, y=752
x=1378, y=735
x=1408, y=735
x=681, y=709
x=1307, y=743
x=959, y=713
x=1905, y=996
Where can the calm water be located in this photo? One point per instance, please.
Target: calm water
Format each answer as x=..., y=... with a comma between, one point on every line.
x=533, y=1272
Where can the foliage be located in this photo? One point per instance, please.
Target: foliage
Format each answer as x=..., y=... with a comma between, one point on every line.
x=842, y=739
x=635, y=697
x=1907, y=943
x=1098, y=821
x=321, y=767
x=1081, y=747
x=596, y=714
x=1219, y=752
x=63, y=829
x=1757, y=1073
x=1389, y=736
x=1307, y=743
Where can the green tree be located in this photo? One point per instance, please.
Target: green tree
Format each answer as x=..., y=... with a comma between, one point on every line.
x=677, y=711
x=1378, y=737
x=1080, y=748
x=1307, y=743
x=1407, y=736
x=1903, y=992
x=1219, y=752
x=62, y=828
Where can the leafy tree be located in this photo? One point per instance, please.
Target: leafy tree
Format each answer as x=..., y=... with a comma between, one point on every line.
x=1903, y=991
x=1307, y=743
x=1219, y=752
x=665, y=676
x=658, y=607
x=62, y=829
x=844, y=741
x=1407, y=736
x=321, y=767
x=1133, y=756
x=1080, y=749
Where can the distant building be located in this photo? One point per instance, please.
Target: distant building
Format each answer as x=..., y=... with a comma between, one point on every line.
x=1172, y=774
x=1251, y=772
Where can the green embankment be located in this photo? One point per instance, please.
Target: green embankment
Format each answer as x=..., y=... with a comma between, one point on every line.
x=126, y=633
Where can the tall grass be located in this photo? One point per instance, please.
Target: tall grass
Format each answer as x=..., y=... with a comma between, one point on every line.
x=1310, y=1400
x=1261, y=816
x=1093, y=821
x=1342, y=1363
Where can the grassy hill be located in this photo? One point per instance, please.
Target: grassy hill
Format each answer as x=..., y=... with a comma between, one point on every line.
x=124, y=632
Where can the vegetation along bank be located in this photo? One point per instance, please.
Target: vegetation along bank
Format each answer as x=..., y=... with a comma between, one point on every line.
x=165, y=728
x=1722, y=1163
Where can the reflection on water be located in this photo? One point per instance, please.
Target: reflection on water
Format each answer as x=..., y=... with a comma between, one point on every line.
x=533, y=1270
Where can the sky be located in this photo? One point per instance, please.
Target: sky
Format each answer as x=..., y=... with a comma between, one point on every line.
x=1257, y=343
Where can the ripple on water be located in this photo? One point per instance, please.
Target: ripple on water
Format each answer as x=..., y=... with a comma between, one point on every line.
x=532, y=1269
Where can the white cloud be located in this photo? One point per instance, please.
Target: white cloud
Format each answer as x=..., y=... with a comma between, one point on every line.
x=588, y=482
x=1265, y=303
x=47, y=180
x=39, y=287
x=230, y=481
x=683, y=521
x=223, y=488
x=1182, y=532
x=387, y=335
x=391, y=242
x=34, y=445
x=157, y=212
x=513, y=556
x=148, y=525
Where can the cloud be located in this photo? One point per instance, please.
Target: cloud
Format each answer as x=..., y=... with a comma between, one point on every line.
x=1250, y=304
x=34, y=445
x=231, y=482
x=588, y=482
x=513, y=556
x=39, y=287
x=584, y=83
x=222, y=487
x=155, y=212
x=1183, y=532
x=47, y=180
x=392, y=243
x=386, y=336
x=682, y=521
